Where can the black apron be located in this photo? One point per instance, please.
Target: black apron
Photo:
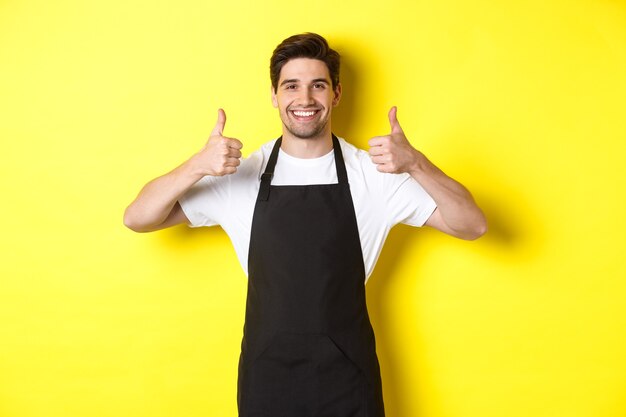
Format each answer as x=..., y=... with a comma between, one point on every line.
x=308, y=348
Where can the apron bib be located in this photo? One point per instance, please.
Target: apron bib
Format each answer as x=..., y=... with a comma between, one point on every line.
x=308, y=348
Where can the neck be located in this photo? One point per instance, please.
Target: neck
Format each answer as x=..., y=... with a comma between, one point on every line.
x=314, y=147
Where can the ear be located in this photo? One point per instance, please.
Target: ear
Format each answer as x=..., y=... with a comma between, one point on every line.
x=274, y=99
x=337, y=95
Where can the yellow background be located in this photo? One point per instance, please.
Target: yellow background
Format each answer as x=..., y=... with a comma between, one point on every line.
x=522, y=101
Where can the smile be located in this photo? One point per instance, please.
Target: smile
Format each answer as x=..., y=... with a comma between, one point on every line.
x=304, y=114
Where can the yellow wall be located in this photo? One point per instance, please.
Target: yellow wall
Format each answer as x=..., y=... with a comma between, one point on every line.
x=523, y=101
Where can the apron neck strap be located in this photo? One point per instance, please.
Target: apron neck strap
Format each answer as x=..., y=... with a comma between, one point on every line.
x=340, y=165
x=266, y=177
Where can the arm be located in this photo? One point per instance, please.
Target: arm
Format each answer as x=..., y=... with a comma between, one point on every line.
x=457, y=214
x=156, y=207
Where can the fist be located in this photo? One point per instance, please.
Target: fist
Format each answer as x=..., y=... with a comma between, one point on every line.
x=220, y=156
x=393, y=153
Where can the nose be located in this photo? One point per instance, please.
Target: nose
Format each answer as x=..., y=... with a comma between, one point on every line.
x=306, y=97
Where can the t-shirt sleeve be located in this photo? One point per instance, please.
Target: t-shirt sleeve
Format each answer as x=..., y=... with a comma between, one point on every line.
x=225, y=200
x=201, y=202
x=407, y=201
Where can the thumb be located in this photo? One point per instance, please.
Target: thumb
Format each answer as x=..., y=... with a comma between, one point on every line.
x=221, y=122
x=393, y=120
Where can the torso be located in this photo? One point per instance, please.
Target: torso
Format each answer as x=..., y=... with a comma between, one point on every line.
x=380, y=200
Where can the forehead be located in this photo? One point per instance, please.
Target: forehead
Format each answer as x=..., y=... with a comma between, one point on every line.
x=304, y=69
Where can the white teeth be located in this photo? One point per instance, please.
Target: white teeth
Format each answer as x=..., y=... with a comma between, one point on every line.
x=304, y=113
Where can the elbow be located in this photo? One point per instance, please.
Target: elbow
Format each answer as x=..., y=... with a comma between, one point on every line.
x=477, y=233
x=131, y=222
x=471, y=229
x=478, y=230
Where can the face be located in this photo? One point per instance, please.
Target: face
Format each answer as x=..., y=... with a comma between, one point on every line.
x=305, y=97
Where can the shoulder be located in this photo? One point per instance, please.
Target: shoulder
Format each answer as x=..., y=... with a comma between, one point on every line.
x=350, y=151
x=258, y=159
x=355, y=158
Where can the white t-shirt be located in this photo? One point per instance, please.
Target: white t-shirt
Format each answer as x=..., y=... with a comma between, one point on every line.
x=380, y=200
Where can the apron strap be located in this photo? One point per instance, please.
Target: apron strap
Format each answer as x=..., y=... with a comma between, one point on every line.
x=266, y=177
x=340, y=165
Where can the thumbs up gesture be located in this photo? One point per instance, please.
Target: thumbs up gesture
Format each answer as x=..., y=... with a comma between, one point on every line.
x=393, y=153
x=220, y=156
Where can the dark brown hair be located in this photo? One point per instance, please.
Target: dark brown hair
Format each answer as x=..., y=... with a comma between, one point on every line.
x=305, y=45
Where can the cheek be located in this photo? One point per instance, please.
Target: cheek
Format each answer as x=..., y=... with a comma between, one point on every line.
x=323, y=98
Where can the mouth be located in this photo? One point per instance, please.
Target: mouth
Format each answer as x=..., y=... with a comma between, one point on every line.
x=304, y=115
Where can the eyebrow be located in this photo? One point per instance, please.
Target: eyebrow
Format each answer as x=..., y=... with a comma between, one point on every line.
x=295, y=80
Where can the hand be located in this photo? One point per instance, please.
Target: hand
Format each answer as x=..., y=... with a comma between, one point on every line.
x=220, y=156
x=393, y=153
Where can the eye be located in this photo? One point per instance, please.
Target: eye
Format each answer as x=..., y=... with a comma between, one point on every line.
x=319, y=86
x=290, y=87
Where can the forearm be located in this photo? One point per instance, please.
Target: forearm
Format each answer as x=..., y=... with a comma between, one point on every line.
x=455, y=203
x=157, y=198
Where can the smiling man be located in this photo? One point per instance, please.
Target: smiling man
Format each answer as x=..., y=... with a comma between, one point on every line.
x=308, y=214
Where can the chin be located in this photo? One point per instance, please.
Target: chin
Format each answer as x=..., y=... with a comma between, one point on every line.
x=306, y=134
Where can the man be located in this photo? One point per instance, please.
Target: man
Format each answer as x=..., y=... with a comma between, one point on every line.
x=307, y=214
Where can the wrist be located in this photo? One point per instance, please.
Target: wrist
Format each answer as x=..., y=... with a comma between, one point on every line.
x=418, y=163
x=192, y=168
